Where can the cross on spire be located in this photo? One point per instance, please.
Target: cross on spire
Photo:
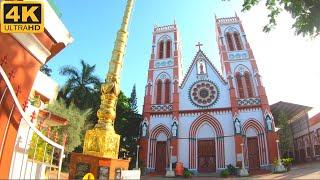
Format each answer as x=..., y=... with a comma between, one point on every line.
x=199, y=45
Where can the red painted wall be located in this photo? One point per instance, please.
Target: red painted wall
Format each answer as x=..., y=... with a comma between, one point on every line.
x=25, y=67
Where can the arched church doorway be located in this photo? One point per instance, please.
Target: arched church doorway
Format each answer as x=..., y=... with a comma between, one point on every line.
x=159, y=148
x=206, y=156
x=206, y=144
x=161, y=156
x=161, y=153
x=206, y=148
x=253, y=153
x=255, y=145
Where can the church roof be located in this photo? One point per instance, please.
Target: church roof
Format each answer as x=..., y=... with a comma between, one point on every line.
x=200, y=52
x=315, y=119
x=290, y=109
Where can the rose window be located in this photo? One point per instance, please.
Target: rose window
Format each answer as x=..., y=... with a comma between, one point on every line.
x=204, y=93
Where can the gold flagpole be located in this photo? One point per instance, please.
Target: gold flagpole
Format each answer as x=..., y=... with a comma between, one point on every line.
x=102, y=140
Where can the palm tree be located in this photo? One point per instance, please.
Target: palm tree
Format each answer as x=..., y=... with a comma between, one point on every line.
x=82, y=87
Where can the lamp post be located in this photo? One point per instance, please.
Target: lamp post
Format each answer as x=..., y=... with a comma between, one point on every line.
x=279, y=167
x=170, y=173
x=242, y=162
x=137, y=160
x=170, y=166
x=243, y=170
x=278, y=150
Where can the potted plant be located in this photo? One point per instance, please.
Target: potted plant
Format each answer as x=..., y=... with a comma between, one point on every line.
x=287, y=162
x=231, y=169
x=224, y=173
x=187, y=173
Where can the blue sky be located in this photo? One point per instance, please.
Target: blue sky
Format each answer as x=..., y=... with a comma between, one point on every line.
x=288, y=63
x=93, y=25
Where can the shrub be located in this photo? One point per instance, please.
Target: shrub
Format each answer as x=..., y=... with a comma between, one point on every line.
x=187, y=173
x=231, y=169
x=224, y=173
x=287, y=161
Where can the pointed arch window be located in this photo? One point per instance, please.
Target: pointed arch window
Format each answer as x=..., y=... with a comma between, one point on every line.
x=248, y=84
x=237, y=38
x=161, y=50
x=230, y=41
x=167, y=91
x=240, y=85
x=168, y=49
x=159, y=92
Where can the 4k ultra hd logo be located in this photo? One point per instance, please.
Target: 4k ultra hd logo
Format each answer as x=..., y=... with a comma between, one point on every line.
x=21, y=16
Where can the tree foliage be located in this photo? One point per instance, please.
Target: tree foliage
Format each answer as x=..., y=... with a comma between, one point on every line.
x=76, y=122
x=82, y=86
x=306, y=14
x=46, y=70
x=127, y=125
x=133, y=100
x=83, y=89
x=285, y=134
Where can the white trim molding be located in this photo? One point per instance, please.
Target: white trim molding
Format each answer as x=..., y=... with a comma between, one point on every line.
x=31, y=43
x=54, y=25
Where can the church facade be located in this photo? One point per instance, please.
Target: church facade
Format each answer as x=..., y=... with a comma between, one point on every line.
x=205, y=118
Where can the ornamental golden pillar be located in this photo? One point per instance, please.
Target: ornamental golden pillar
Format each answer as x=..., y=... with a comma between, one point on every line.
x=102, y=141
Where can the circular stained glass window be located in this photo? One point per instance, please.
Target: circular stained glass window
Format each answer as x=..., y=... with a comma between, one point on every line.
x=204, y=93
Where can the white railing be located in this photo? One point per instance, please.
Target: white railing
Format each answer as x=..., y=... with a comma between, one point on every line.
x=249, y=101
x=24, y=164
x=238, y=55
x=227, y=20
x=161, y=107
x=164, y=28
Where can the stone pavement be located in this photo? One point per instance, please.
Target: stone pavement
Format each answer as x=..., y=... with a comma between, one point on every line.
x=301, y=171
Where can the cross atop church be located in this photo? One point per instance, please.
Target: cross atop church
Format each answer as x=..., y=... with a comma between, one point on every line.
x=199, y=45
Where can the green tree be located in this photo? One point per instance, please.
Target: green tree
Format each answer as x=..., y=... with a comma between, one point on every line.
x=306, y=14
x=82, y=87
x=133, y=99
x=46, y=70
x=76, y=122
x=285, y=134
x=127, y=125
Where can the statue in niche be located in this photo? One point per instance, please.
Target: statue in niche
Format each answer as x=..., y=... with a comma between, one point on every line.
x=237, y=126
x=174, y=129
x=144, y=130
x=202, y=68
x=269, y=123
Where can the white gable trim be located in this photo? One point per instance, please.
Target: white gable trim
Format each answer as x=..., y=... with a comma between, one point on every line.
x=201, y=55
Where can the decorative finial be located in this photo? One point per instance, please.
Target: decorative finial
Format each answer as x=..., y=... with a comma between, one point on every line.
x=174, y=21
x=199, y=45
x=235, y=14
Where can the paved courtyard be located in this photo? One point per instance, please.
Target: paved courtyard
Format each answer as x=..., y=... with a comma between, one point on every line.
x=301, y=171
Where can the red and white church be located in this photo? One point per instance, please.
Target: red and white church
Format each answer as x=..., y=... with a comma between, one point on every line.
x=206, y=117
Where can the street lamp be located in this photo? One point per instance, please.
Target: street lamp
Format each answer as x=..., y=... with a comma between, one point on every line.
x=170, y=173
x=137, y=160
x=279, y=167
x=278, y=150
x=243, y=170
